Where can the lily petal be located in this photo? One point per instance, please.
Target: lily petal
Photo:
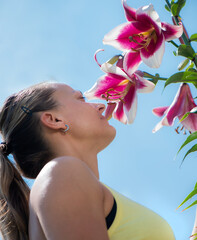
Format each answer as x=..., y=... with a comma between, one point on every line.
x=109, y=110
x=130, y=106
x=129, y=11
x=182, y=103
x=160, y=111
x=119, y=113
x=149, y=11
x=152, y=56
x=110, y=83
x=119, y=36
x=109, y=68
x=143, y=85
x=131, y=62
x=190, y=122
x=163, y=122
x=171, y=31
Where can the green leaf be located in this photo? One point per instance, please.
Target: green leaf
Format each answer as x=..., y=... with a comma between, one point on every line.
x=188, y=77
x=194, y=203
x=190, y=138
x=184, y=117
x=193, y=37
x=195, y=186
x=191, y=70
x=183, y=64
x=194, y=192
x=167, y=8
x=192, y=149
x=186, y=51
x=176, y=7
x=175, y=53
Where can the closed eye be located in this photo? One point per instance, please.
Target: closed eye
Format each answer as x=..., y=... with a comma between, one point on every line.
x=82, y=98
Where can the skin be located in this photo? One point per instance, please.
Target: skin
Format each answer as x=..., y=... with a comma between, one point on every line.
x=67, y=200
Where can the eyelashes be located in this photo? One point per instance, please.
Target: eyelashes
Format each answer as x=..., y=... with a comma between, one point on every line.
x=83, y=98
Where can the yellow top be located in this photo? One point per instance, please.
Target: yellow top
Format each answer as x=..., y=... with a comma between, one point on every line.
x=136, y=222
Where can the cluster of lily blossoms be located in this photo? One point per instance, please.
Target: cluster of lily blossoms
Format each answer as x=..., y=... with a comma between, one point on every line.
x=142, y=39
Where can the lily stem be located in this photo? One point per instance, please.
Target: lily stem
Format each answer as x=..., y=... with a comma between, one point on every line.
x=148, y=75
x=185, y=40
x=173, y=43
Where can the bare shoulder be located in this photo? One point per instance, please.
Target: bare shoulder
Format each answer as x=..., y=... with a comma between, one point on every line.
x=64, y=173
x=68, y=200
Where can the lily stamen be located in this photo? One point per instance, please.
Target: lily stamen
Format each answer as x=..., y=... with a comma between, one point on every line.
x=145, y=38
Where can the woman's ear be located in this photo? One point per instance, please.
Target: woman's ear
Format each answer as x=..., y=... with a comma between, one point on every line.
x=52, y=120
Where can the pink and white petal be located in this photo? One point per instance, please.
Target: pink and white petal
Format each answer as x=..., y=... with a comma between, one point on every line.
x=119, y=36
x=152, y=56
x=159, y=111
x=139, y=73
x=150, y=12
x=178, y=106
x=129, y=11
x=103, y=84
x=171, y=31
x=131, y=62
x=120, y=62
x=109, y=68
x=119, y=113
x=109, y=110
x=130, y=106
x=143, y=85
x=190, y=123
x=163, y=122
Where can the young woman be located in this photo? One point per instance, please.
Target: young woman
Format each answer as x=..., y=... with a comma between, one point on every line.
x=54, y=137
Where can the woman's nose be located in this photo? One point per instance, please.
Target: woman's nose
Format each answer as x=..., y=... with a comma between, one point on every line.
x=100, y=107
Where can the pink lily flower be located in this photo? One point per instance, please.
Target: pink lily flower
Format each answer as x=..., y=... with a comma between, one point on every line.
x=142, y=37
x=182, y=103
x=120, y=91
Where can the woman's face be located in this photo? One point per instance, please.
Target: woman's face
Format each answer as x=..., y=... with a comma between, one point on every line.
x=85, y=119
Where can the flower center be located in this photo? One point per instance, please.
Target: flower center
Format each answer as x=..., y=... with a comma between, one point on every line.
x=112, y=94
x=143, y=39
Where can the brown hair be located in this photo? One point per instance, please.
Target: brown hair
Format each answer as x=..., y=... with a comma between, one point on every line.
x=21, y=130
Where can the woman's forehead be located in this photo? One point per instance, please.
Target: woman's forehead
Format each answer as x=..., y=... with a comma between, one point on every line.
x=65, y=89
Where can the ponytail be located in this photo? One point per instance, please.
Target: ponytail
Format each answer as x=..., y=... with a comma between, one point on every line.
x=23, y=134
x=14, y=195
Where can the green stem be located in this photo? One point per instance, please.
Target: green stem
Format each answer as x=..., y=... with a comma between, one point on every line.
x=169, y=5
x=148, y=75
x=161, y=78
x=173, y=43
x=195, y=61
x=184, y=37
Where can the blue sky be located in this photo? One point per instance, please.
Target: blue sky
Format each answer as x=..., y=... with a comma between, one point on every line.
x=56, y=40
